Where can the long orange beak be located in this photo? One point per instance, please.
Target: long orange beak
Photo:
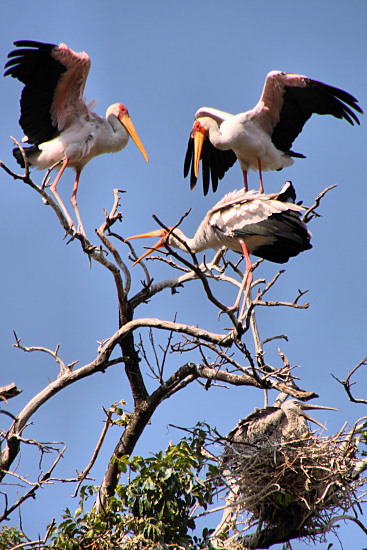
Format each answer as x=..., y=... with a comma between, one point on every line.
x=127, y=122
x=162, y=233
x=199, y=133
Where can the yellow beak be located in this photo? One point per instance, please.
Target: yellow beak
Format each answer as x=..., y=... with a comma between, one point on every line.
x=199, y=136
x=127, y=122
x=162, y=233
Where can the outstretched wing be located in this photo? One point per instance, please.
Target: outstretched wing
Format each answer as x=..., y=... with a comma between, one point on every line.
x=289, y=100
x=54, y=78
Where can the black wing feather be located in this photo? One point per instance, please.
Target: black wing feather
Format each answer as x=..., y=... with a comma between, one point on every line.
x=18, y=155
x=290, y=233
x=292, y=237
x=215, y=164
x=188, y=156
x=33, y=65
x=301, y=103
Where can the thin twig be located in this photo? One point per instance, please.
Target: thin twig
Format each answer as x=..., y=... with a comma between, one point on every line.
x=31, y=493
x=42, y=349
x=85, y=472
x=310, y=212
x=347, y=384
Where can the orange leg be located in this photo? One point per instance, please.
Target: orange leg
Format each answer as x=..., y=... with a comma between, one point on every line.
x=261, y=190
x=56, y=195
x=75, y=204
x=247, y=278
x=244, y=172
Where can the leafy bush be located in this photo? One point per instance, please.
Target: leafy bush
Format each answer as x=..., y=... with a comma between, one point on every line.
x=152, y=509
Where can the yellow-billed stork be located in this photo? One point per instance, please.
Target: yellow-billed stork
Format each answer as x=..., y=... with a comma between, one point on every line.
x=248, y=222
x=261, y=138
x=55, y=118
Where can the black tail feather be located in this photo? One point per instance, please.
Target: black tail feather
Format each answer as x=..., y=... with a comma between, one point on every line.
x=17, y=153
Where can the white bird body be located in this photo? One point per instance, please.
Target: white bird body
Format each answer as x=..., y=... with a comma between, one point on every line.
x=83, y=140
x=261, y=138
x=224, y=223
x=247, y=222
x=56, y=120
x=241, y=134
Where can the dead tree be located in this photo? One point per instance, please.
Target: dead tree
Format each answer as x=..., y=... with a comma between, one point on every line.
x=231, y=361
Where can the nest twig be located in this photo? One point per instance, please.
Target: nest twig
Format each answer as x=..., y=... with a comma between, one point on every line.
x=301, y=483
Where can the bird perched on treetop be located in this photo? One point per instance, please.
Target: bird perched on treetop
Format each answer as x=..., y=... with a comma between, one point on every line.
x=56, y=120
x=267, y=226
x=261, y=138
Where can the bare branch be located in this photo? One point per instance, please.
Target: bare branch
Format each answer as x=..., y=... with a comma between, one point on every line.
x=53, y=354
x=281, y=303
x=85, y=472
x=347, y=384
x=101, y=232
x=207, y=336
x=9, y=391
x=310, y=212
x=31, y=493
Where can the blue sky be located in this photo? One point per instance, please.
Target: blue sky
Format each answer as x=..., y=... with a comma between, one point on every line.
x=164, y=60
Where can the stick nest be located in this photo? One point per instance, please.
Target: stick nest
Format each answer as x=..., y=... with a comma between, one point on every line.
x=299, y=483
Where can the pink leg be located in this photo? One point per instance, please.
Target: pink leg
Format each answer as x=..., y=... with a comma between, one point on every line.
x=247, y=278
x=261, y=190
x=244, y=172
x=75, y=204
x=56, y=195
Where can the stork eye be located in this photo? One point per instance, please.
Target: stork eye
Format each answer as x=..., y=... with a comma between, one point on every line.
x=198, y=127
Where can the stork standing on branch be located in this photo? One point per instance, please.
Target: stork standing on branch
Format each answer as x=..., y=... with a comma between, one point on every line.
x=55, y=118
x=267, y=226
x=261, y=138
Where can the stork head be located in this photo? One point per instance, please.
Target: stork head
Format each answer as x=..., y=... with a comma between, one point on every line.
x=122, y=114
x=299, y=408
x=162, y=233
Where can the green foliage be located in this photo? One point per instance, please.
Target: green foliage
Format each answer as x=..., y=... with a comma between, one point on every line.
x=283, y=498
x=10, y=537
x=152, y=509
x=118, y=410
x=80, y=529
x=163, y=492
x=362, y=440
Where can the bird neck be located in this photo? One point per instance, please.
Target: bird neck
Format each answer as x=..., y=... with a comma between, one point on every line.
x=216, y=137
x=179, y=244
x=119, y=136
x=201, y=240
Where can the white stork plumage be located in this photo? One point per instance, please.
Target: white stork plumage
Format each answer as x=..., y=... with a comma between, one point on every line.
x=267, y=226
x=55, y=118
x=261, y=138
x=275, y=424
